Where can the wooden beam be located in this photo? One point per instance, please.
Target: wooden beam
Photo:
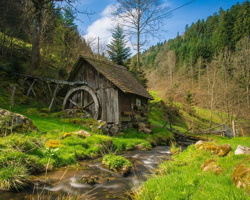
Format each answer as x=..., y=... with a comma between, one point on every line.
x=54, y=96
x=31, y=88
x=74, y=103
x=89, y=104
x=49, y=89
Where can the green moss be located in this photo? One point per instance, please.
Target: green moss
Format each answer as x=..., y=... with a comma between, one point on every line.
x=116, y=162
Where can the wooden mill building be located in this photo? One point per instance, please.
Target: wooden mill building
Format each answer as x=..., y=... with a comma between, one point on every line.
x=110, y=92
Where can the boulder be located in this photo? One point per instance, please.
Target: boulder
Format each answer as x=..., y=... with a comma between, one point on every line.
x=14, y=122
x=89, y=179
x=242, y=150
x=114, y=129
x=220, y=150
x=142, y=127
x=82, y=133
x=211, y=166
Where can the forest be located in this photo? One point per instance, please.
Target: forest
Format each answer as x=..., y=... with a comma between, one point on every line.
x=58, y=40
x=209, y=61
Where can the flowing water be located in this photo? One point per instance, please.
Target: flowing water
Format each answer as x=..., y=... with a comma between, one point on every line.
x=102, y=183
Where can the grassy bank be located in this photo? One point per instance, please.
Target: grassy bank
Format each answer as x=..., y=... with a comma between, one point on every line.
x=62, y=141
x=183, y=178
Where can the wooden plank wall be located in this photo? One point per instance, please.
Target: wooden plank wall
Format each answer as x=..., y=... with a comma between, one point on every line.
x=107, y=92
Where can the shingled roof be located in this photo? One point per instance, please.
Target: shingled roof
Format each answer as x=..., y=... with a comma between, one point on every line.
x=117, y=74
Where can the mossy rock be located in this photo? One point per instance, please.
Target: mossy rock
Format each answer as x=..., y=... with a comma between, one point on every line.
x=45, y=110
x=241, y=175
x=89, y=180
x=61, y=114
x=33, y=111
x=220, y=150
x=117, y=163
x=211, y=166
x=44, y=115
x=14, y=122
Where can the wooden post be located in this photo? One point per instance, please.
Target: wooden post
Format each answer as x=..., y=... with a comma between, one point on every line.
x=233, y=127
x=50, y=92
x=54, y=96
x=31, y=88
x=12, y=99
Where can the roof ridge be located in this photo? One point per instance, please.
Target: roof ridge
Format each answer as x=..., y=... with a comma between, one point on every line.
x=105, y=62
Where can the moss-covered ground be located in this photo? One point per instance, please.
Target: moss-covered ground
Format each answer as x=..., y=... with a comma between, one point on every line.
x=57, y=143
x=183, y=178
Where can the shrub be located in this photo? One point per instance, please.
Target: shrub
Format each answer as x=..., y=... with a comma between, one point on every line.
x=116, y=162
x=14, y=177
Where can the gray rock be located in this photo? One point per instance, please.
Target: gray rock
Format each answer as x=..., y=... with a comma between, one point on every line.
x=14, y=122
x=113, y=130
x=242, y=150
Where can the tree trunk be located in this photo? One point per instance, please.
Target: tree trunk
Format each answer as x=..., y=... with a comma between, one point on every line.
x=138, y=50
x=37, y=23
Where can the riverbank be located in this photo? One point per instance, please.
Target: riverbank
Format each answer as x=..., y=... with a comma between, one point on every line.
x=185, y=178
x=91, y=180
x=63, y=142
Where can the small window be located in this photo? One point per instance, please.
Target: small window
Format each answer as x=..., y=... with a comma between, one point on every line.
x=138, y=102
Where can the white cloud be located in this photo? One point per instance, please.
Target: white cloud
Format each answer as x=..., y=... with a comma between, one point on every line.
x=100, y=29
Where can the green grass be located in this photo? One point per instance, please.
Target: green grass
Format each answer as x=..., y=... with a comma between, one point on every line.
x=34, y=151
x=116, y=162
x=56, y=144
x=182, y=178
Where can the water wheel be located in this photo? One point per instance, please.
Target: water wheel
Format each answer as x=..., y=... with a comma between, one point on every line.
x=84, y=99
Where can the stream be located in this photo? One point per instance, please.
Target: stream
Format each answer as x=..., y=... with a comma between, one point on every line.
x=92, y=181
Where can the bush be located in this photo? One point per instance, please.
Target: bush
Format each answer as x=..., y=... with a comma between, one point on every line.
x=116, y=162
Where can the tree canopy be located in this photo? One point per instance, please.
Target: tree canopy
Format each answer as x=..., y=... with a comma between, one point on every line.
x=117, y=50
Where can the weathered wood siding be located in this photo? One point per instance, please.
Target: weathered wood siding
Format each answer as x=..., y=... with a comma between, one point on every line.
x=129, y=111
x=106, y=91
x=125, y=107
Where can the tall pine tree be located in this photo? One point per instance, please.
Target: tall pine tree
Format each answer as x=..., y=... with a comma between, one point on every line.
x=117, y=50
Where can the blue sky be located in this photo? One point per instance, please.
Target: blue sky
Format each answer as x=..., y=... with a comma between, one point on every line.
x=99, y=23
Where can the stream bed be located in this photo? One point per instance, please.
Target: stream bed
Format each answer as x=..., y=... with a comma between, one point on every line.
x=92, y=181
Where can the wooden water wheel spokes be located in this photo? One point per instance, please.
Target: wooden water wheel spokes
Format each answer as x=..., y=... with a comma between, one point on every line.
x=83, y=98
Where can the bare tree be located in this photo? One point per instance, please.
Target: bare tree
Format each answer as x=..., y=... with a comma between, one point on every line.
x=141, y=18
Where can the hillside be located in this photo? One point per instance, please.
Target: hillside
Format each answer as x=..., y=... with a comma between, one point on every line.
x=209, y=63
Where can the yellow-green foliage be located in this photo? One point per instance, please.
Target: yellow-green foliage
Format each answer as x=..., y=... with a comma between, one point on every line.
x=174, y=148
x=16, y=41
x=53, y=144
